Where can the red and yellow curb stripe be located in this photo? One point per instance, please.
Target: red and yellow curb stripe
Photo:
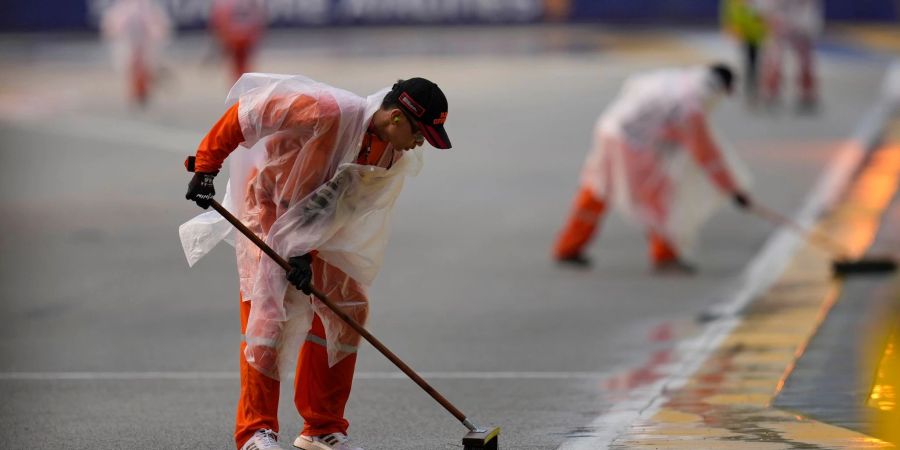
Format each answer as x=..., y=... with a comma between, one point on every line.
x=727, y=403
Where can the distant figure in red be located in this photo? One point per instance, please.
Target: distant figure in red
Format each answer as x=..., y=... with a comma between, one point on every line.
x=137, y=31
x=793, y=27
x=656, y=159
x=239, y=26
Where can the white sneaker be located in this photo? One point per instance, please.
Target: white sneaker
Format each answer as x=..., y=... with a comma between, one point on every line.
x=333, y=441
x=263, y=440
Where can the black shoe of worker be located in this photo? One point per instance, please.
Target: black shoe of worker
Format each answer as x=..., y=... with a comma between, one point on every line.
x=576, y=261
x=674, y=267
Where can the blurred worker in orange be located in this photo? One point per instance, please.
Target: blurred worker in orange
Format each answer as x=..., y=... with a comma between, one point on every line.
x=654, y=157
x=137, y=31
x=792, y=25
x=742, y=21
x=318, y=182
x=239, y=26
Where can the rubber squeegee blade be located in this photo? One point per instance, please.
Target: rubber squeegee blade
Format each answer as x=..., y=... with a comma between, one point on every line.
x=482, y=440
x=871, y=265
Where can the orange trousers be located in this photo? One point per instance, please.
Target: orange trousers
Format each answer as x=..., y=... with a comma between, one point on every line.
x=587, y=212
x=240, y=58
x=320, y=392
x=773, y=65
x=140, y=79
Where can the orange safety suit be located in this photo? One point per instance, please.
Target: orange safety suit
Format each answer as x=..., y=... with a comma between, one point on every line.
x=138, y=31
x=140, y=77
x=794, y=25
x=320, y=392
x=588, y=210
x=239, y=25
x=773, y=65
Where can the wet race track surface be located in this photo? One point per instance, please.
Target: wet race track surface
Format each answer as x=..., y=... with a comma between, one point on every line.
x=111, y=338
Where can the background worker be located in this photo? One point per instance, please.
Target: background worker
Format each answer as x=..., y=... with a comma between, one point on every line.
x=318, y=184
x=741, y=20
x=792, y=25
x=654, y=157
x=238, y=26
x=137, y=32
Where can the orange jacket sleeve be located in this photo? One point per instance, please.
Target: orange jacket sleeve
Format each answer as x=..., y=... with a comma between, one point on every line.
x=221, y=140
x=315, y=161
x=706, y=153
x=298, y=162
x=264, y=116
x=269, y=116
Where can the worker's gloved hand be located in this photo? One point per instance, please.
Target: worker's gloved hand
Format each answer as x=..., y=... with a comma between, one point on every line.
x=300, y=274
x=741, y=200
x=201, y=189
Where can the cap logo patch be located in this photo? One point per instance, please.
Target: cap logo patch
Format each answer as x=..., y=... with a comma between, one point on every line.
x=440, y=120
x=411, y=104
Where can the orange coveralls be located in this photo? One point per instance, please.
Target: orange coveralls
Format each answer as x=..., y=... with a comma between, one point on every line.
x=320, y=392
x=238, y=25
x=588, y=210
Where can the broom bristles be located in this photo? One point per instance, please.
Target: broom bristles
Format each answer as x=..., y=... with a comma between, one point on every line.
x=864, y=266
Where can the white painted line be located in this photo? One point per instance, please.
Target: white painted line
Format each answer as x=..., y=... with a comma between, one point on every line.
x=756, y=278
x=487, y=375
x=108, y=376
x=153, y=375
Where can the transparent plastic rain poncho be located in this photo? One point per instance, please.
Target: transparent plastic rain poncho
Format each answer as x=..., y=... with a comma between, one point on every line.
x=640, y=162
x=136, y=29
x=298, y=188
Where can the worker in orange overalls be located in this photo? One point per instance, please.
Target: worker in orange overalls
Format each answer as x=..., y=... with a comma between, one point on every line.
x=654, y=158
x=137, y=31
x=239, y=26
x=793, y=26
x=318, y=184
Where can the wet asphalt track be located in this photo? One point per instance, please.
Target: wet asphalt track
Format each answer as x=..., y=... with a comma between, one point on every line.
x=110, y=341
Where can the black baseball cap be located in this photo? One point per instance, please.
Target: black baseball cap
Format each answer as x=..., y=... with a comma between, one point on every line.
x=425, y=103
x=725, y=75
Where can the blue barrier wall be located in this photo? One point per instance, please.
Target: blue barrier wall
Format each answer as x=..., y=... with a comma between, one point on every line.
x=644, y=10
x=884, y=10
x=706, y=11
x=43, y=14
x=46, y=15
x=49, y=15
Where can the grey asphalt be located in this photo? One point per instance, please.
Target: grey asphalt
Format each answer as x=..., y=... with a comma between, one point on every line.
x=93, y=279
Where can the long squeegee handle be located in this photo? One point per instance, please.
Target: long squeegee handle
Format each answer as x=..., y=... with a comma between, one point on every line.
x=347, y=319
x=815, y=237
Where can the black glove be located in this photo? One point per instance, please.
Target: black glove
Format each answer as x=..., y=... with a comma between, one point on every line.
x=201, y=189
x=741, y=200
x=300, y=274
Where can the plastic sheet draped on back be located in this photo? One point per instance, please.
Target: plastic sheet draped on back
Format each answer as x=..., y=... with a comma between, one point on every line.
x=277, y=174
x=651, y=181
